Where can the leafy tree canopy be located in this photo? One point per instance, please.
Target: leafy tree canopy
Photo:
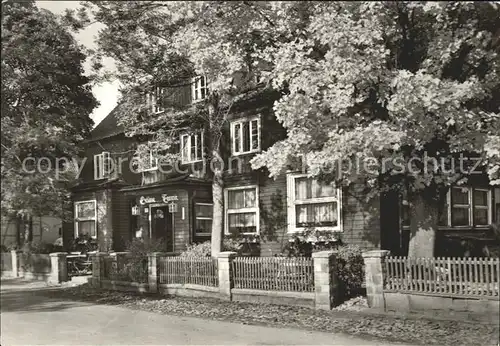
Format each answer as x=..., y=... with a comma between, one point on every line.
x=46, y=103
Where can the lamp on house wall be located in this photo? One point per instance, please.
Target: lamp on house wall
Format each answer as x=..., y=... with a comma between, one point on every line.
x=135, y=210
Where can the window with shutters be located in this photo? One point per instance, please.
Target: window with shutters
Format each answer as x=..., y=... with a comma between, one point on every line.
x=245, y=136
x=102, y=165
x=199, y=88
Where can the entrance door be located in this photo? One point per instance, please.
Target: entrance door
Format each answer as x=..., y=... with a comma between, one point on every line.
x=161, y=226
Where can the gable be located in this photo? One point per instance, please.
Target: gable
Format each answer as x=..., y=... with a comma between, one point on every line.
x=108, y=127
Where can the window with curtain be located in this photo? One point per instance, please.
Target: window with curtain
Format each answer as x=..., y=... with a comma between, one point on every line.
x=85, y=218
x=242, y=212
x=203, y=213
x=313, y=204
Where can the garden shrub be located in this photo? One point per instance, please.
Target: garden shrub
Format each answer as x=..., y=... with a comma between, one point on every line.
x=205, y=249
x=135, y=266
x=350, y=269
x=38, y=248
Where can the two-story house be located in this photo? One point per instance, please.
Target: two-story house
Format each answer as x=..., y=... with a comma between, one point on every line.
x=176, y=205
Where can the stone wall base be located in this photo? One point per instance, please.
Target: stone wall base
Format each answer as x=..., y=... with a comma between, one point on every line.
x=124, y=286
x=305, y=299
x=194, y=291
x=486, y=310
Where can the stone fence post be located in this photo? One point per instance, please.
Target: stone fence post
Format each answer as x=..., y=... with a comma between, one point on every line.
x=58, y=267
x=153, y=271
x=97, y=268
x=326, y=281
x=225, y=260
x=374, y=276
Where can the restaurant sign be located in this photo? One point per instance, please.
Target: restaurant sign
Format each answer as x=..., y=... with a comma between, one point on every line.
x=164, y=198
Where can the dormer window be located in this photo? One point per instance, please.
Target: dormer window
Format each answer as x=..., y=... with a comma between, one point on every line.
x=102, y=165
x=199, y=88
x=155, y=100
x=192, y=147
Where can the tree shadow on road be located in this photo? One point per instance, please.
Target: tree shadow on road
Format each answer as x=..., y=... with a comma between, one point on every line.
x=33, y=300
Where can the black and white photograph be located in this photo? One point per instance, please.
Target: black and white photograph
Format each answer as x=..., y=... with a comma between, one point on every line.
x=250, y=173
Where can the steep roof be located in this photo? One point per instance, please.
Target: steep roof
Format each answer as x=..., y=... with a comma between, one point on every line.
x=108, y=127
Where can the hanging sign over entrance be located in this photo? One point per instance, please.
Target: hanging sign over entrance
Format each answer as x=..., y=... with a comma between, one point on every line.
x=146, y=200
x=164, y=198
x=167, y=198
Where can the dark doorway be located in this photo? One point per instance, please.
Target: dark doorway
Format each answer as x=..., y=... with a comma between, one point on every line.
x=161, y=226
x=390, y=237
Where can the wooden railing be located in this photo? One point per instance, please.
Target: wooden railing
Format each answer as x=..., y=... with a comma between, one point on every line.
x=274, y=273
x=188, y=270
x=444, y=276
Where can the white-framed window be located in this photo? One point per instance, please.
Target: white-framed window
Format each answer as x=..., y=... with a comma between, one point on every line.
x=463, y=207
x=203, y=213
x=242, y=210
x=245, y=135
x=192, y=145
x=85, y=218
x=199, y=88
x=313, y=204
x=154, y=100
x=150, y=161
x=102, y=165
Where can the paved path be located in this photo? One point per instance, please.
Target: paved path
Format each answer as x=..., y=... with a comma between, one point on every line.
x=27, y=317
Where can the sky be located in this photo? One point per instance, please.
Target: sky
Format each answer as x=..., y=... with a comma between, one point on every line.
x=106, y=93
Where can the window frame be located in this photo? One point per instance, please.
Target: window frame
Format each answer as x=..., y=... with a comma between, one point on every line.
x=254, y=209
x=100, y=161
x=201, y=234
x=78, y=219
x=240, y=122
x=292, y=203
x=153, y=160
x=470, y=206
x=197, y=87
x=190, y=136
x=154, y=106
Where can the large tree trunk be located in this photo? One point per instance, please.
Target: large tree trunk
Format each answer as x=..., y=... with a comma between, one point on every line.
x=423, y=225
x=28, y=229
x=218, y=211
x=216, y=166
x=19, y=230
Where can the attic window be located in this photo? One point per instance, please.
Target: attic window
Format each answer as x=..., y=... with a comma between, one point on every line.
x=199, y=88
x=154, y=100
x=102, y=165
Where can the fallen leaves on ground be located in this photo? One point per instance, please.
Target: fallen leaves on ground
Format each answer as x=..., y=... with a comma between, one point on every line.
x=347, y=318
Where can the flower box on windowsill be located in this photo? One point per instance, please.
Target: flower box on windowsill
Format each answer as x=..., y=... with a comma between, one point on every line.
x=316, y=224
